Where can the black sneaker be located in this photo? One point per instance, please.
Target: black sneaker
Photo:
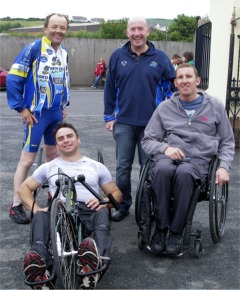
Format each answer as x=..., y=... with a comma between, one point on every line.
x=174, y=244
x=18, y=215
x=157, y=244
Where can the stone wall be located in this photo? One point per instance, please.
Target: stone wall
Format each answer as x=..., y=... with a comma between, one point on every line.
x=83, y=53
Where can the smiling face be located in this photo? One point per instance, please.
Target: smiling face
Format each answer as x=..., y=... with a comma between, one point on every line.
x=56, y=29
x=137, y=32
x=187, y=81
x=67, y=142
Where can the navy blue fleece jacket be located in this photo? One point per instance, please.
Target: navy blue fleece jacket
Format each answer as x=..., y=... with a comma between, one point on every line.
x=136, y=85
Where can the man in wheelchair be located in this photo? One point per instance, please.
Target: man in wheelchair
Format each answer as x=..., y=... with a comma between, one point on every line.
x=182, y=136
x=94, y=250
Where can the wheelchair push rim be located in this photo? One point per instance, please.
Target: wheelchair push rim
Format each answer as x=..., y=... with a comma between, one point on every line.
x=218, y=200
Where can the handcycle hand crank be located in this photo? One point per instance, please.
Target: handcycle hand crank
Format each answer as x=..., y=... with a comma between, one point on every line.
x=81, y=179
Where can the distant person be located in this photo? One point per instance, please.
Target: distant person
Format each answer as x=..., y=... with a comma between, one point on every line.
x=188, y=57
x=176, y=60
x=99, y=72
x=137, y=76
x=38, y=89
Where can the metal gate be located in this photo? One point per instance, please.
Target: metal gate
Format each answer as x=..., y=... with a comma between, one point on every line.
x=202, y=53
x=233, y=83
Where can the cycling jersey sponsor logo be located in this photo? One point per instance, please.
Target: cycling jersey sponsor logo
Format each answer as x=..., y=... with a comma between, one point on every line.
x=42, y=90
x=21, y=67
x=56, y=61
x=58, y=92
x=43, y=78
x=57, y=81
x=43, y=59
x=46, y=69
x=49, y=52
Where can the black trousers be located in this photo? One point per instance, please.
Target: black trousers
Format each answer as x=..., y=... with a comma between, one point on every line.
x=173, y=186
x=95, y=224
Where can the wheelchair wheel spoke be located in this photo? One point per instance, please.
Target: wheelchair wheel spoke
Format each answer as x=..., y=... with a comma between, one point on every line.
x=218, y=211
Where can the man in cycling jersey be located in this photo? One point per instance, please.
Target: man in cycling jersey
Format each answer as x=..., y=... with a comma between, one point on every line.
x=38, y=86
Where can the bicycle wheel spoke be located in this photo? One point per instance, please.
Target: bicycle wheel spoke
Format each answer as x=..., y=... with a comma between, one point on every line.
x=64, y=246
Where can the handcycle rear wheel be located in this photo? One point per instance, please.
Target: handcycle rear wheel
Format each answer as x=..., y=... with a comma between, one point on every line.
x=100, y=156
x=40, y=156
x=64, y=246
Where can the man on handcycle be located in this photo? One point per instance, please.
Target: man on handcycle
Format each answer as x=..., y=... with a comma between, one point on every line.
x=182, y=136
x=95, y=249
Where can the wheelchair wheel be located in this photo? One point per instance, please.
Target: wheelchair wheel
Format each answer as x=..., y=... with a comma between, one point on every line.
x=64, y=247
x=144, y=211
x=140, y=192
x=141, y=243
x=38, y=163
x=198, y=248
x=218, y=199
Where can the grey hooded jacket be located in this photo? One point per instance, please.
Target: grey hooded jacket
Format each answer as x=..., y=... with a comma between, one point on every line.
x=207, y=133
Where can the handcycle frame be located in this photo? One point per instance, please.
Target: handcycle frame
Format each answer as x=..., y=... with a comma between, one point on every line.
x=66, y=233
x=205, y=191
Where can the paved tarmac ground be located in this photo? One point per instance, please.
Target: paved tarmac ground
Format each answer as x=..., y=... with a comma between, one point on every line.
x=130, y=268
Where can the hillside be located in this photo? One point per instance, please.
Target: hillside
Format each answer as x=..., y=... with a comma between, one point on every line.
x=33, y=22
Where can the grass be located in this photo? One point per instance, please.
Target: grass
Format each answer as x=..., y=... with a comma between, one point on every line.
x=23, y=23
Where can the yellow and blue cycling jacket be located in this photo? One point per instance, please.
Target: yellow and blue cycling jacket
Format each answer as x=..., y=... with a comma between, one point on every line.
x=39, y=78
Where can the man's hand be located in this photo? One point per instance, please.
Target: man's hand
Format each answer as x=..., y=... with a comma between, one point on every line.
x=109, y=125
x=28, y=117
x=40, y=209
x=64, y=113
x=174, y=153
x=93, y=203
x=222, y=176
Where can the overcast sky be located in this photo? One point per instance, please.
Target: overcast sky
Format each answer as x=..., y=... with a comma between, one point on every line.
x=107, y=9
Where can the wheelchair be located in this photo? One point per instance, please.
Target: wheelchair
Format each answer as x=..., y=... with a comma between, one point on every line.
x=66, y=232
x=216, y=196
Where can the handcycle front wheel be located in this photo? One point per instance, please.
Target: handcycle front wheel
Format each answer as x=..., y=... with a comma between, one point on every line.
x=64, y=247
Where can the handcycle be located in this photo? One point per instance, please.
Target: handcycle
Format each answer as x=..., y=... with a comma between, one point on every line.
x=206, y=190
x=66, y=233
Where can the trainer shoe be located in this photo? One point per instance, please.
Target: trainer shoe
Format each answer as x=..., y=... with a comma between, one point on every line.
x=34, y=269
x=89, y=261
x=157, y=244
x=18, y=215
x=174, y=244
